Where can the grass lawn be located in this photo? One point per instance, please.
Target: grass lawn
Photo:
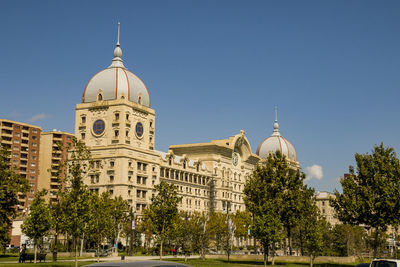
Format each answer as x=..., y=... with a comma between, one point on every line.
x=46, y=264
x=251, y=263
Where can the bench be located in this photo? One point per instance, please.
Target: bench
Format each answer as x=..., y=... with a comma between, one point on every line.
x=31, y=257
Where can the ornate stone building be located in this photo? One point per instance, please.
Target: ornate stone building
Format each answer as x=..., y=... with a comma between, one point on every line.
x=117, y=123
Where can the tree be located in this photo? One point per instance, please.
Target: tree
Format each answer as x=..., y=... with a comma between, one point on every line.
x=11, y=184
x=348, y=240
x=242, y=221
x=99, y=219
x=217, y=226
x=119, y=212
x=76, y=196
x=38, y=222
x=263, y=198
x=163, y=210
x=311, y=225
x=370, y=193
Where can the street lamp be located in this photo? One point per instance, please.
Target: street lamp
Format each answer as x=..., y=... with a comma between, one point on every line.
x=133, y=227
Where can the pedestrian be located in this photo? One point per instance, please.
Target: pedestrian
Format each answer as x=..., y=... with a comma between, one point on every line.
x=174, y=251
x=180, y=251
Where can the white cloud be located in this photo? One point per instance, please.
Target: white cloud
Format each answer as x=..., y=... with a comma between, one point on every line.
x=38, y=117
x=314, y=171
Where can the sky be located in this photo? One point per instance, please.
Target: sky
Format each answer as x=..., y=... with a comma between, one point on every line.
x=214, y=68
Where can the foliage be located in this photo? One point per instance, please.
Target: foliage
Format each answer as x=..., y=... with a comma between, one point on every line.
x=370, y=193
x=242, y=221
x=11, y=184
x=348, y=240
x=76, y=197
x=99, y=219
x=38, y=222
x=162, y=211
x=263, y=198
x=218, y=229
x=119, y=213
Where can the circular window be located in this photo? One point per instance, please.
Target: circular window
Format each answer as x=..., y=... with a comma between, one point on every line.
x=98, y=127
x=139, y=129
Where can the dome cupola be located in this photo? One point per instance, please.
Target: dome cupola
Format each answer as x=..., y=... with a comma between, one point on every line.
x=277, y=142
x=116, y=82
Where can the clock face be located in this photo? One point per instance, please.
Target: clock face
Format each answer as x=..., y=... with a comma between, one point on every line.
x=139, y=129
x=98, y=127
x=235, y=158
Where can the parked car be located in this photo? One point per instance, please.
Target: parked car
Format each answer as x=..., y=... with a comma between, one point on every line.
x=139, y=264
x=385, y=263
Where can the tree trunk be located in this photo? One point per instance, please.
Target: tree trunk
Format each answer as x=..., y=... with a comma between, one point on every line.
x=34, y=252
x=273, y=255
x=311, y=260
x=290, y=240
x=161, y=248
x=375, y=246
x=265, y=260
x=98, y=252
x=76, y=252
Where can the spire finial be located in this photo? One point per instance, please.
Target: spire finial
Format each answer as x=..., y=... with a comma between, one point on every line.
x=276, y=125
x=117, y=61
x=119, y=24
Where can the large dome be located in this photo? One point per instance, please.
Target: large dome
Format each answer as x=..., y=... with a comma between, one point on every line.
x=116, y=82
x=277, y=142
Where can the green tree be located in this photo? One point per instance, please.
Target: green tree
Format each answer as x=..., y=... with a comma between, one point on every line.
x=348, y=240
x=76, y=196
x=11, y=184
x=38, y=222
x=263, y=198
x=162, y=211
x=242, y=220
x=370, y=193
x=119, y=212
x=217, y=226
x=311, y=225
x=99, y=219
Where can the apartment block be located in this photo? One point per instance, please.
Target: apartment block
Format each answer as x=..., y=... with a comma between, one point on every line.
x=23, y=142
x=53, y=150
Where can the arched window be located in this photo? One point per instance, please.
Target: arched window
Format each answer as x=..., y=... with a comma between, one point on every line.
x=139, y=99
x=100, y=97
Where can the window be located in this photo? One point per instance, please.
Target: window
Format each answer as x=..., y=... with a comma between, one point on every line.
x=127, y=133
x=323, y=203
x=83, y=135
x=111, y=178
x=99, y=97
x=16, y=134
x=34, y=137
x=83, y=119
x=33, y=164
x=112, y=164
x=34, y=144
x=111, y=192
x=127, y=117
x=139, y=100
x=16, y=141
x=116, y=116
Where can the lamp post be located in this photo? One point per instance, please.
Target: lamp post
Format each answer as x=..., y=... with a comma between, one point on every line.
x=133, y=226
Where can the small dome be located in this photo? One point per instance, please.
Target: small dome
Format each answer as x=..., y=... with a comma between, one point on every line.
x=276, y=142
x=116, y=82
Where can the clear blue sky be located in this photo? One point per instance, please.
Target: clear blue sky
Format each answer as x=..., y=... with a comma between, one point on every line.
x=215, y=67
